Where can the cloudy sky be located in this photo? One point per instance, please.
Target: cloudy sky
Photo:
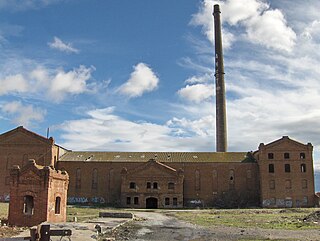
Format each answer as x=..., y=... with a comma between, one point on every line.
x=138, y=75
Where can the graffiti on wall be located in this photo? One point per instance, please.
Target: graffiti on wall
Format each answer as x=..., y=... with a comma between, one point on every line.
x=85, y=200
x=5, y=198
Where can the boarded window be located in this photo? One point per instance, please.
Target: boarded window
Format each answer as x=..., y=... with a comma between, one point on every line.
x=197, y=180
x=170, y=185
x=78, y=178
x=270, y=156
x=249, y=174
x=287, y=168
x=288, y=184
x=28, y=205
x=167, y=201
x=132, y=185
x=94, y=179
x=304, y=184
x=136, y=200
x=272, y=184
x=302, y=155
x=303, y=168
x=271, y=168
x=174, y=201
x=286, y=155
x=57, y=205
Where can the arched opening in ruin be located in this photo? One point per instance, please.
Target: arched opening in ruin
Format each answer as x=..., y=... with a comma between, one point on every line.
x=151, y=202
x=28, y=205
x=57, y=205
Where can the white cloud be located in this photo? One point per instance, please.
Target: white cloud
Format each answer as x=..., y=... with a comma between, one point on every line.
x=197, y=92
x=142, y=80
x=42, y=81
x=21, y=5
x=199, y=79
x=103, y=130
x=13, y=84
x=58, y=44
x=21, y=114
x=262, y=24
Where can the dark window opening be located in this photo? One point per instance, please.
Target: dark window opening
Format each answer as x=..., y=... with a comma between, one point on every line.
x=303, y=168
x=167, y=201
x=287, y=167
x=78, y=178
x=148, y=185
x=57, y=205
x=95, y=179
x=174, y=201
x=271, y=168
x=132, y=185
x=136, y=200
x=270, y=155
x=286, y=155
x=128, y=200
x=28, y=205
x=170, y=185
x=302, y=155
x=155, y=185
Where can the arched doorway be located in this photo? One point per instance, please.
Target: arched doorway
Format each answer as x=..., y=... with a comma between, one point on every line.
x=151, y=202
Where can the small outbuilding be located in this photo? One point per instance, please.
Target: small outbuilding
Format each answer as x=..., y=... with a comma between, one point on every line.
x=37, y=194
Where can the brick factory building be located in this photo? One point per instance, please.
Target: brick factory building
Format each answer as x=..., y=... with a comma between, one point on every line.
x=278, y=174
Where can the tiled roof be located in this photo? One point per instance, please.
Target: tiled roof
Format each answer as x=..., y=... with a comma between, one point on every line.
x=159, y=156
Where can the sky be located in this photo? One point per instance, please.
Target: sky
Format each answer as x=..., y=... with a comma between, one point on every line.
x=139, y=75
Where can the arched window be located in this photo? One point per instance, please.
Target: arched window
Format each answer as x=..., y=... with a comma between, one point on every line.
x=95, y=179
x=57, y=205
x=197, y=180
x=287, y=168
x=170, y=185
x=28, y=205
x=78, y=178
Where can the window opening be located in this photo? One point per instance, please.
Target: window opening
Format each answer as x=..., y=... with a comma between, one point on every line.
x=286, y=155
x=304, y=184
x=155, y=185
x=302, y=155
x=287, y=167
x=28, y=205
x=271, y=168
x=128, y=200
x=136, y=200
x=132, y=185
x=270, y=156
x=174, y=201
x=303, y=168
x=57, y=205
x=167, y=201
x=170, y=185
x=148, y=185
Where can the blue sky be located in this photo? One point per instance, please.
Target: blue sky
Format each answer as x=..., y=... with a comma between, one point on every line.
x=138, y=75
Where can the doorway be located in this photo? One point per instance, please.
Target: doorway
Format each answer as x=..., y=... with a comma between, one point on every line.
x=152, y=202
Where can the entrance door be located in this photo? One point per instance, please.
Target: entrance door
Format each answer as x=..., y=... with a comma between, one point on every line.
x=151, y=202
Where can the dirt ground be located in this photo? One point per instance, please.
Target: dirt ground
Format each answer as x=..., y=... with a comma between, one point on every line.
x=161, y=226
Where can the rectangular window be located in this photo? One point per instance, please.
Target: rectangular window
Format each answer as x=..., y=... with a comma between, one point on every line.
x=175, y=201
x=136, y=200
x=302, y=155
x=270, y=155
x=155, y=185
x=286, y=155
x=304, y=184
x=128, y=200
x=148, y=185
x=272, y=184
x=287, y=167
x=271, y=168
x=167, y=201
x=303, y=168
x=132, y=185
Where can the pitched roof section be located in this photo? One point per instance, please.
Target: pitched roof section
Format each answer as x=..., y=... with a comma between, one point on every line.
x=283, y=140
x=158, y=156
x=21, y=129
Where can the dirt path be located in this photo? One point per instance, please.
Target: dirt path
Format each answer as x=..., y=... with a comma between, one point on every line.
x=161, y=226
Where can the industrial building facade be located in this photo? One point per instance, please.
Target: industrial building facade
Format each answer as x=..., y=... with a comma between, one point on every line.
x=278, y=174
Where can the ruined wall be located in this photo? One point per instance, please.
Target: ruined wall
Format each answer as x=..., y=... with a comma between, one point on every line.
x=205, y=184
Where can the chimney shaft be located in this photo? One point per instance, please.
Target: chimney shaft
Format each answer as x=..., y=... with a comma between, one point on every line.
x=221, y=120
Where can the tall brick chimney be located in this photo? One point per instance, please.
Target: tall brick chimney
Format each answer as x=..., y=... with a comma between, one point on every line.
x=221, y=119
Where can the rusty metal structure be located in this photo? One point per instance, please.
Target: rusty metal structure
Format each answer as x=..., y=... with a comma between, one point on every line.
x=221, y=119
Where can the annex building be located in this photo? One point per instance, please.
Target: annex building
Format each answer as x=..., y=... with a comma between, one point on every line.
x=277, y=174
